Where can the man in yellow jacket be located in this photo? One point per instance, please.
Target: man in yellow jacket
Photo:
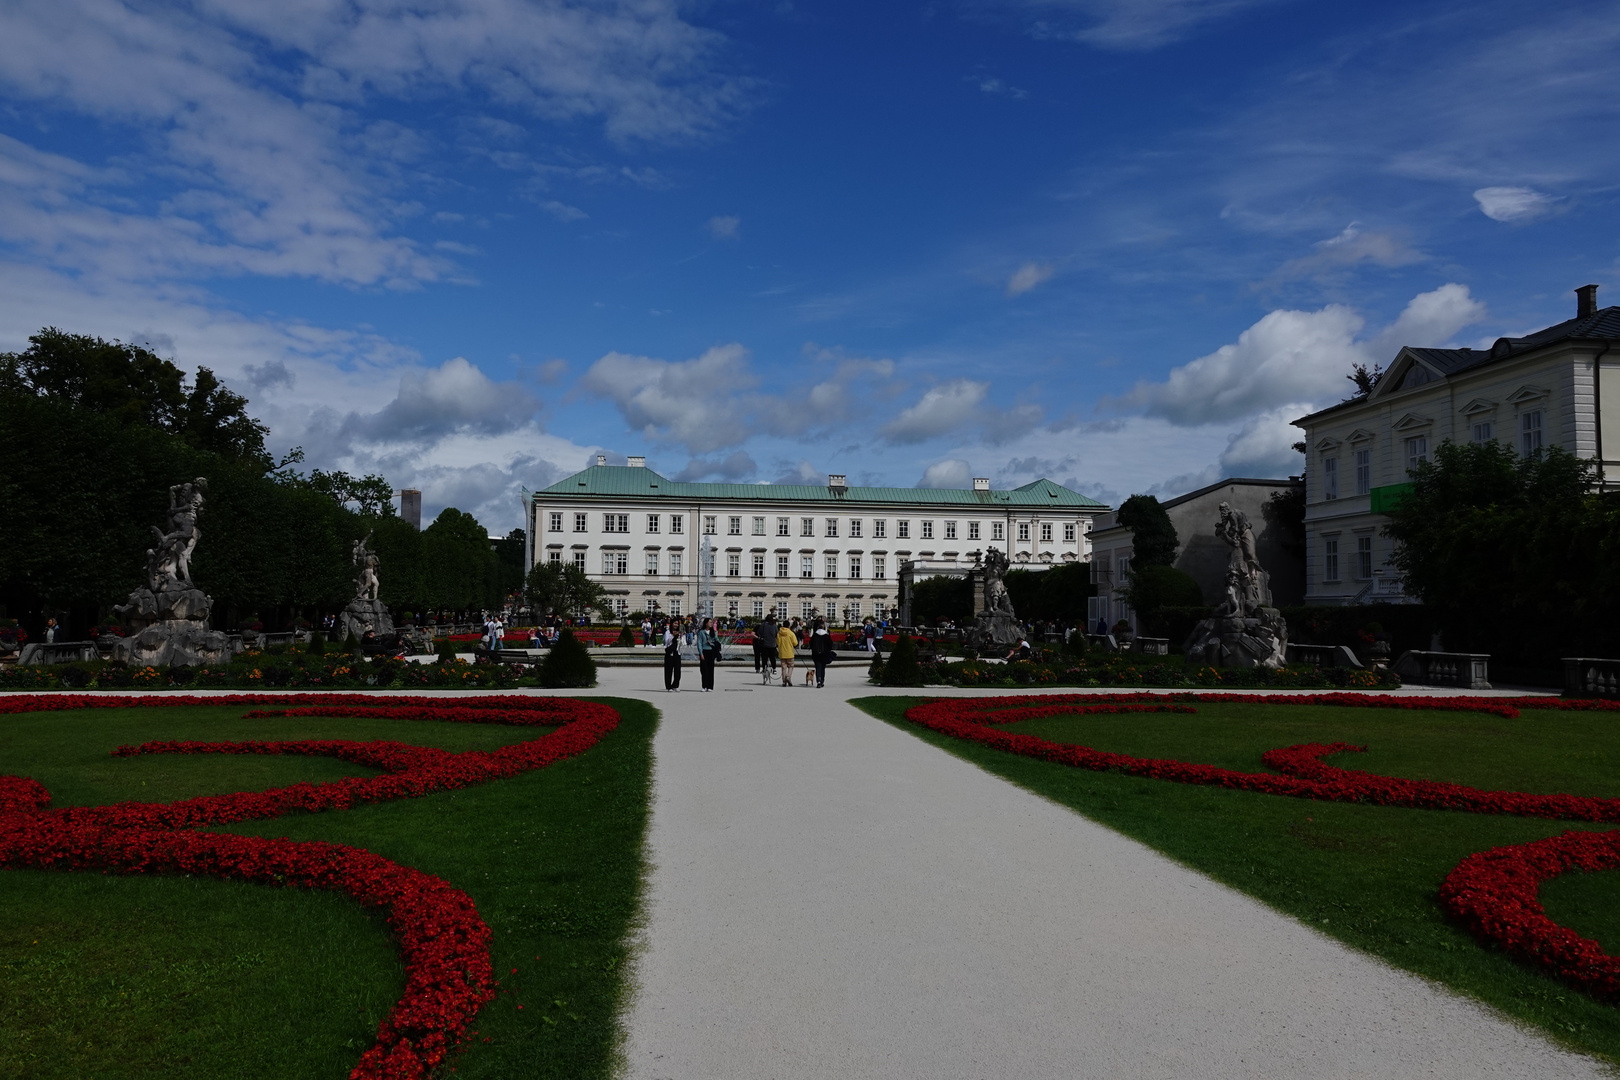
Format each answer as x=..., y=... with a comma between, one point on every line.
x=786, y=642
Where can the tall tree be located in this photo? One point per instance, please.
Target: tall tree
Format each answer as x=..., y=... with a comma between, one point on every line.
x=1153, y=537
x=563, y=589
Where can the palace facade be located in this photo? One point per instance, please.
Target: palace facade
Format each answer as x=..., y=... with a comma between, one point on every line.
x=659, y=545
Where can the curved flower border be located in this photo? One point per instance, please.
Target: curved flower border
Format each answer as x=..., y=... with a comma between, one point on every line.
x=1493, y=893
x=442, y=941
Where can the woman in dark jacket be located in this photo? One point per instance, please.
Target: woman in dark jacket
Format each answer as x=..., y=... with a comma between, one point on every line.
x=821, y=651
x=708, y=643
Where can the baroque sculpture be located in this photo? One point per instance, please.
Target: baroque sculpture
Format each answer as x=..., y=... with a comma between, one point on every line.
x=365, y=611
x=996, y=626
x=169, y=614
x=1247, y=631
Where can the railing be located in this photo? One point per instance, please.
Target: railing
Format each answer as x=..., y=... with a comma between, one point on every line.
x=1586, y=676
x=1471, y=671
x=39, y=653
x=1322, y=656
x=1151, y=646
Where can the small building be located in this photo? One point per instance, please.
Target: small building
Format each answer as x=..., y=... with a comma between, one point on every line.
x=744, y=549
x=1556, y=387
x=1200, y=554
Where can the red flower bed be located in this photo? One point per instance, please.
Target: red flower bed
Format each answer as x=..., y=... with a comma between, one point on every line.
x=1493, y=892
x=444, y=943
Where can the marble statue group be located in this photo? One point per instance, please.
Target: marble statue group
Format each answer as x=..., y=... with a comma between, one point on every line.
x=169, y=614
x=1246, y=631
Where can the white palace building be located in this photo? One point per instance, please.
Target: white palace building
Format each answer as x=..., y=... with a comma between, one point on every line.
x=659, y=545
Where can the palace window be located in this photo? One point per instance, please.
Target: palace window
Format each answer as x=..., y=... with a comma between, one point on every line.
x=652, y=523
x=759, y=526
x=807, y=609
x=675, y=607
x=781, y=611
x=652, y=564
x=855, y=568
x=807, y=526
x=1363, y=558
x=902, y=530
x=1330, y=560
x=832, y=527
x=733, y=565
x=759, y=566
x=731, y=609
x=1482, y=432
x=621, y=607
x=807, y=566
x=554, y=558
x=878, y=566
x=579, y=559
x=973, y=530
x=734, y=526
x=615, y=562
x=759, y=609
x=1068, y=532
x=708, y=524
x=675, y=563
x=854, y=611
x=832, y=568
x=1363, y=471
x=855, y=528
x=1529, y=432
x=781, y=566
x=1417, y=451
x=616, y=523
x=928, y=530
x=1330, y=478
x=880, y=529
x=782, y=527
x=579, y=523
x=556, y=521
x=996, y=531
x=1046, y=532
x=677, y=523
x=1023, y=530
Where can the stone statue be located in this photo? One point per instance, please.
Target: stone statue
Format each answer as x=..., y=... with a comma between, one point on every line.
x=1246, y=630
x=365, y=611
x=169, y=613
x=365, y=580
x=996, y=625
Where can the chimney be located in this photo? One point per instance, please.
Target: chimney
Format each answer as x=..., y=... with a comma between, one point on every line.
x=1585, y=301
x=410, y=507
x=836, y=480
x=637, y=461
x=981, y=483
x=601, y=459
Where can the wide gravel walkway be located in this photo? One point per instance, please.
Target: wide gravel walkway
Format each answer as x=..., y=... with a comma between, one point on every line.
x=831, y=897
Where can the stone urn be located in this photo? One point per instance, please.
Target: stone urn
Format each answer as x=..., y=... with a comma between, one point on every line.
x=1378, y=654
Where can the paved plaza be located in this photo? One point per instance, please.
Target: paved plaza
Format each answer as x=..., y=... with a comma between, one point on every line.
x=831, y=897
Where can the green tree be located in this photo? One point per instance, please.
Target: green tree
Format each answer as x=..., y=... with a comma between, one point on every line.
x=460, y=567
x=1150, y=588
x=1515, y=555
x=938, y=598
x=371, y=495
x=1285, y=513
x=1058, y=593
x=563, y=589
x=1153, y=537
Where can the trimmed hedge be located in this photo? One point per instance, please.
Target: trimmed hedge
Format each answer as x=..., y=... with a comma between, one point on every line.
x=567, y=664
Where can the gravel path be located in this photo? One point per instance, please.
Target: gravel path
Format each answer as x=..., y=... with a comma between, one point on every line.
x=831, y=897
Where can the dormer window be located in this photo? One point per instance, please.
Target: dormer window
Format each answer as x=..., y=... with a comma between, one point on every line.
x=1417, y=375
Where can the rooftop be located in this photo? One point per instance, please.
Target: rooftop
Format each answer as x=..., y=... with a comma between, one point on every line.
x=642, y=482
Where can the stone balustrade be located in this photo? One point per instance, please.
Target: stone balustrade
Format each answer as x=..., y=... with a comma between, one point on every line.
x=1150, y=646
x=41, y=654
x=1470, y=671
x=1586, y=676
x=1323, y=656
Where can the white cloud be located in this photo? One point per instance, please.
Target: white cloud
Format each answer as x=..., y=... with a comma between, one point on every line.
x=1350, y=248
x=562, y=211
x=1027, y=277
x=1513, y=203
x=736, y=467
x=1292, y=356
x=988, y=85
x=1123, y=25
x=1264, y=445
x=694, y=403
x=940, y=411
x=950, y=473
x=725, y=227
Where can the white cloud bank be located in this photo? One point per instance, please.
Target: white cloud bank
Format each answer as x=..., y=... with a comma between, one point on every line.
x=1513, y=203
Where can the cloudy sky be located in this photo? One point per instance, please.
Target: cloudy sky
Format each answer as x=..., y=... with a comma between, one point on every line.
x=1119, y=243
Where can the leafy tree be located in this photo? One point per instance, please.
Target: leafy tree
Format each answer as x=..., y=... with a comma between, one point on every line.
x=459, y=565
x=1516, y=556
x=372, y=495
x=510, y=553
x=1059, y=593
x=1285, y=512
x=564, y=589
x=937, y=598
x=1364, y=379
x=1153, y=537
x=1149, y=588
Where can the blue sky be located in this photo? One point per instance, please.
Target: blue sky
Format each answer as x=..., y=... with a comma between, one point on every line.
x=1120, y=243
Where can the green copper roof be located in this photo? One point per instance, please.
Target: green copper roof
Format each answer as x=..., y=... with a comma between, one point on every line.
x=642, y=482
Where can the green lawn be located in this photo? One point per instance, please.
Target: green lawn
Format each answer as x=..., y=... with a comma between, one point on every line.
x=109, y=976
x=1367, y=875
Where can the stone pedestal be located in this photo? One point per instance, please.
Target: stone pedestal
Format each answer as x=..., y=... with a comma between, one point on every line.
x=1258, y=640
x=173, y=643
x=363, y=615
x=994, y=630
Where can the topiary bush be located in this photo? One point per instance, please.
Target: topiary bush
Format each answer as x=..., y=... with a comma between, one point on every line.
x=74, y=676
x=447, y=651
x=902, y=669
x=567, y=664
x=317, y=644
x=625, y=640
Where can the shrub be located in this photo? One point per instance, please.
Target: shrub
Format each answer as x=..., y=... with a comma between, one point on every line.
x=874, y=670
x=447, y=651
x=625, y=640
x=277, y=676
x=902, y=668
x=567, y=664
x=74, y=676
x=317, y=644
x=181, y=675
x=116, y=676
x=351, y=644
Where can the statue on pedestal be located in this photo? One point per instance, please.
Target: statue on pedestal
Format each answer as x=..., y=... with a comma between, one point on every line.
x=996, y=625
x=365, y=611
x=169, y=613
x=1246, y=630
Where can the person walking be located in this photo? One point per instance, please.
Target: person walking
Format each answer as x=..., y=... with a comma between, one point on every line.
x=646, y=632
x=766, y=636
x=870, y=631
x=786, y=642
x=821, y=651
x=672, y=658
x=708, y=653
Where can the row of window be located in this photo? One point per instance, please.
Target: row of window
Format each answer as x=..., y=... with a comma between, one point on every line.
x=620, y=523
x=1417, y=451
x=851, y=610
x=618, y=562
x=1362, y=556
